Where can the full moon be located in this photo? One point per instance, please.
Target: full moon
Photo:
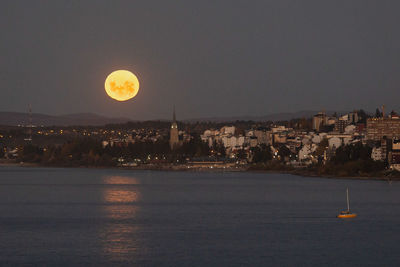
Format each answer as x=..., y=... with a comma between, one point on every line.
x=122, y=85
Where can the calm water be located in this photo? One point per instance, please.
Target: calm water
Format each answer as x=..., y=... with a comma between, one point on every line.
x=144, y=218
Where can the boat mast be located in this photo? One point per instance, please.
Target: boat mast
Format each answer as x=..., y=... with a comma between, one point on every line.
x=348, y=204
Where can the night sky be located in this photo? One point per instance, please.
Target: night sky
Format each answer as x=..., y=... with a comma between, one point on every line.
x=209, y=58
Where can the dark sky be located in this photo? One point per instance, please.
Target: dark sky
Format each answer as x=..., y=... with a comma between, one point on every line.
x=209, y=58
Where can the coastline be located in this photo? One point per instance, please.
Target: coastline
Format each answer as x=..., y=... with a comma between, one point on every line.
x=185, y=168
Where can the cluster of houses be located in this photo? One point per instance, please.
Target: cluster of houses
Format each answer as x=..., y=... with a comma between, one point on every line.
x=328, y=133
x=300, y=143
x=306, y=147
x=331, y=132
x=122, y=138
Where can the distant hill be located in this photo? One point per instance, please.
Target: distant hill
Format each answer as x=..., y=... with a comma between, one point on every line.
x=91, y=119
x=19, y=118
x=271, y=117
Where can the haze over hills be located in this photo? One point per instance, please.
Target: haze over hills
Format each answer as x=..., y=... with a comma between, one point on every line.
x=271, y=117
x=38, y=119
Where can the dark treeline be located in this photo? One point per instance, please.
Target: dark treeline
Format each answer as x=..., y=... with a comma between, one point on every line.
x=191, y=127
x=89, y=152
x=348, y=160
x=352, y=160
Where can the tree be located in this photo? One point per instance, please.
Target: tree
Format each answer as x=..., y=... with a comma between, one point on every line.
x=362, y=116
x=261, y=154
x=352, y=152
x=378, y=114
x=322, y=146
x=220, y=149
x=241, y=154
x=283, y=151
x=30, y=153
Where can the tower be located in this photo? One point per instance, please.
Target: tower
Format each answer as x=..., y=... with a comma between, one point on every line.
x=173, y=136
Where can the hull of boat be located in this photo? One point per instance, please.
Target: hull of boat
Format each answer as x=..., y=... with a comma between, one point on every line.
x=344, y=216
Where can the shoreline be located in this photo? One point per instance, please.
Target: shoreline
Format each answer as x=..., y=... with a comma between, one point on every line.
x=185, y=168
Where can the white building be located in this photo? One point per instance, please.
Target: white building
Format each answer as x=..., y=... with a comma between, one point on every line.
x=378, y=154
x=350, y=129
x=306, y=141
x=263, y=137
x=228, y=130
x=334, y=142
x=317, y=139
x=306, y=151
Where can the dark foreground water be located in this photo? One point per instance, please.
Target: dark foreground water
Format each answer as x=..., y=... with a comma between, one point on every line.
x=76, y=217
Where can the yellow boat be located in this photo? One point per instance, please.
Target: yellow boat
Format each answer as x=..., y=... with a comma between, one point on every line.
x=346, y=213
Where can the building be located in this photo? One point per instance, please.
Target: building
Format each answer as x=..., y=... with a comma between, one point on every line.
x=396, y=151
x=395, y=155
x=279, y=138
x=394, y=115
x=263, y=137
x=335, y=142
x=228, y=130
x=174, y=134
x=340, y=125
x=233, y=141
x=319, y=120
x=253, y=142
x=377, y=128
x=352, y=117
x=306, y=151
x=350, y=129
x=378, y=154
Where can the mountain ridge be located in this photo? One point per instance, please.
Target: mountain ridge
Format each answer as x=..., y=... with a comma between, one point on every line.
x=92, y=119
x=269, y=117
x=39, y=119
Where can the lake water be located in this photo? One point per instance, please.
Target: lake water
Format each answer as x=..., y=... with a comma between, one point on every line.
x=70, y=217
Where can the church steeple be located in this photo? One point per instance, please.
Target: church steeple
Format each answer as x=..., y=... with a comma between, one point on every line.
x=174, y=124
x=174, y=116
x=173, y=134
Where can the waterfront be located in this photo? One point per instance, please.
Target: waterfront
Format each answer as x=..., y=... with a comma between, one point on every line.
x=55, y=216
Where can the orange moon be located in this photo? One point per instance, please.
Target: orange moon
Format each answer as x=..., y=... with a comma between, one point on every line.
x=122, y=85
